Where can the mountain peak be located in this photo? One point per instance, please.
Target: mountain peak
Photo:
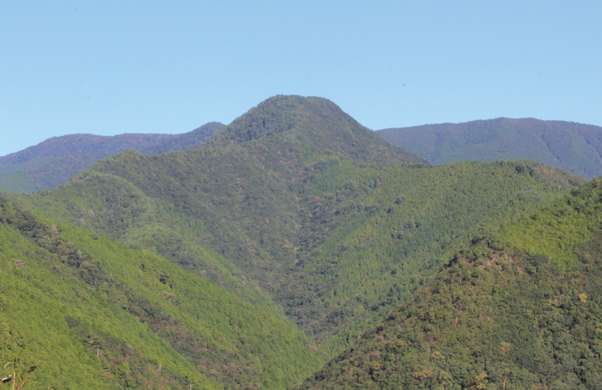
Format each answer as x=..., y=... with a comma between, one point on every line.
x=318, y=124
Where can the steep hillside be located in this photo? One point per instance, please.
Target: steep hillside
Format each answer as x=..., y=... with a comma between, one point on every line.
x=55, y=160
x=521, y=308
x=297, y=227
x=574, y=147
x=100, y=315
x=419, y=216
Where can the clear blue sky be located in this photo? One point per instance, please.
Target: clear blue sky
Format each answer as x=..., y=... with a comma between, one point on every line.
x=111, y=67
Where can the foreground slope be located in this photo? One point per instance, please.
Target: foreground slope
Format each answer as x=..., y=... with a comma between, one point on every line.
x=574, y=147
x=55, y=160
x=100, y=315
x=521, y=308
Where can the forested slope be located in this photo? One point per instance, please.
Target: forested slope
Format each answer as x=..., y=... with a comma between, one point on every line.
x=420, y=216
x=97, y=314
x=520, y=308
x=306, y=125
x=332, y=234
x=574, y=147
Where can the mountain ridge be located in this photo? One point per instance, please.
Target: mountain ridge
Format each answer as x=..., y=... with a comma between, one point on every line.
x=55, y=160
x=574, y=147
x=317, y=122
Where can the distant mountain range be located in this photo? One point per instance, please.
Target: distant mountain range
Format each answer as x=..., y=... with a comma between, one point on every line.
x=574, y=147
x=55, y=160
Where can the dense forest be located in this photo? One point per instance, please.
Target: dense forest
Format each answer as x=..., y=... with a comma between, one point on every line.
x=100, y=315
x=519, y=308
x=271, y=247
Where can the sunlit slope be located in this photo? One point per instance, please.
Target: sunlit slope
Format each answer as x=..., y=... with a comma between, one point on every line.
x=100, y=315
x=112, y=205
x=520, y=308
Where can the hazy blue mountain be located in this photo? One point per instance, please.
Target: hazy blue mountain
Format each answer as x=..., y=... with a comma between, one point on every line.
x=574, y=147
x=57, y=159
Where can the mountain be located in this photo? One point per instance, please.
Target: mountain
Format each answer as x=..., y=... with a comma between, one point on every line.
x=574, y=147
x=99, y=315
x=302, y=212
x=314, y=125
x=521, y=307
x=55, y=160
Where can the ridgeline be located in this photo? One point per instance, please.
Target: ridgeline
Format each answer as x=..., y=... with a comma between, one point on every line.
x=574, y=147
x=54, y=161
